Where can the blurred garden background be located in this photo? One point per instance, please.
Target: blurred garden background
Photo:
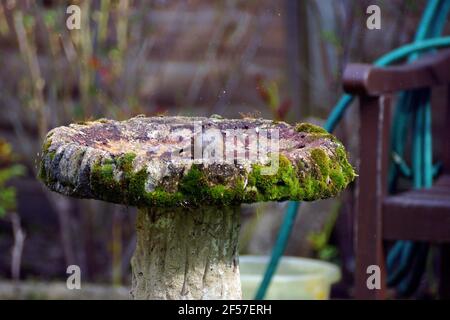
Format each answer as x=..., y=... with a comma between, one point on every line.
x=278, y=59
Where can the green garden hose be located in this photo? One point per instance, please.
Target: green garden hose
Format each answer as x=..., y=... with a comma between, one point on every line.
x=405, y=261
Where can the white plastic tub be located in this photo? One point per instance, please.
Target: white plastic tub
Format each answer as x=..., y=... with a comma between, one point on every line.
x=296, y=278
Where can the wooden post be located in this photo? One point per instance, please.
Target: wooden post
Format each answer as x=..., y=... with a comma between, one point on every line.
x=298, y=56
x=444, y=283
x=374, y=148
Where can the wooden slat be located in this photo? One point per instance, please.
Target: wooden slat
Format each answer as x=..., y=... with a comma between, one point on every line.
x=405, y=223
x=431, y=70
x=446, y=134
x=444, y=285
x=422, y=215
x=374, y=142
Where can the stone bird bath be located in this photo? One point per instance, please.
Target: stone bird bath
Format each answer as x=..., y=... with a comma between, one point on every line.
x=188, y=177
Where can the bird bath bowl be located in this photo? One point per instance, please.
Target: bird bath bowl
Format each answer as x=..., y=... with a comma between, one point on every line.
x=295, y=279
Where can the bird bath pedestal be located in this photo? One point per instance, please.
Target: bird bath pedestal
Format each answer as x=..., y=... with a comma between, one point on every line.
x=188, y=177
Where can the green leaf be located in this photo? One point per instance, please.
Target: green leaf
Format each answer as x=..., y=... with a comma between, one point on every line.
x=7, y=199
x=332, y=38
x=11, y=172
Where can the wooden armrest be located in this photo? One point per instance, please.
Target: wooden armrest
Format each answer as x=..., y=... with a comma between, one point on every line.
x=431, y=70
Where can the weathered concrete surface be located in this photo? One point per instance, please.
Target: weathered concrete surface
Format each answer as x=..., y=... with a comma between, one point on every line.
x=187, y=255
x=143, y=161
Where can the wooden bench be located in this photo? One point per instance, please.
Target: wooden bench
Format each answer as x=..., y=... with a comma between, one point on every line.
x=419, y=215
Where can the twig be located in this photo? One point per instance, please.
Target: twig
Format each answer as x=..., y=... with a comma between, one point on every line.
x=17, y=248
x=28, y=53
x=62, y=208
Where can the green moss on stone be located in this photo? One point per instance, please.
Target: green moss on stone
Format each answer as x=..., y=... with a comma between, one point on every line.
x=125, y=162
x=321, y=176
x=114, y=180
x=222, y=194
x=46, y=146
x=314, y=131
x=194, y=184
x=326, y=178
x=194, y=188
x=280, y=186
x=322, y=160
x=309, y=128
x=105, y=184
x=43, y=175
x=135, y=183
x=52, y=154
x=161, y=198
x=347, y=169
